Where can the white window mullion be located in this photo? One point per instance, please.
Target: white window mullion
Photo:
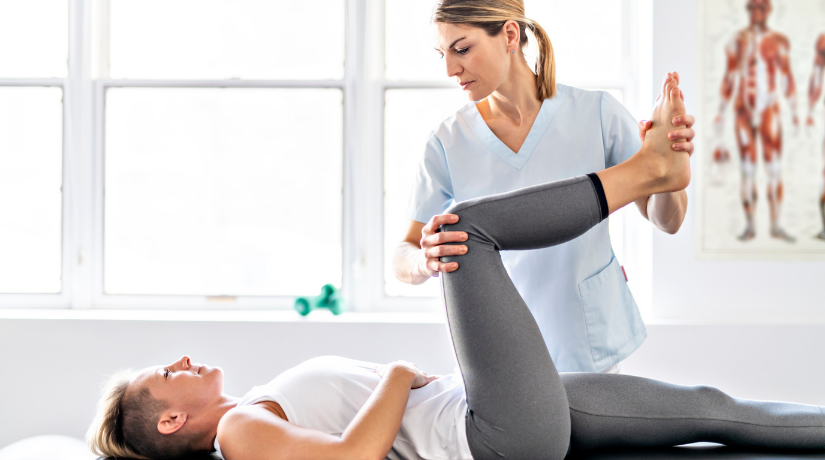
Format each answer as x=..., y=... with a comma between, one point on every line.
x=350, y=247
x=373, y=77
x=96, y=165
x=79, y=184
x=363, y=189
x=101, y=21
x=92, y=162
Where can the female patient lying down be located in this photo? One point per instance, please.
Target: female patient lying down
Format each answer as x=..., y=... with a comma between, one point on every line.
x=508, y=400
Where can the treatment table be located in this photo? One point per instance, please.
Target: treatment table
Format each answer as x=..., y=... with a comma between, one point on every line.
x=66, y=448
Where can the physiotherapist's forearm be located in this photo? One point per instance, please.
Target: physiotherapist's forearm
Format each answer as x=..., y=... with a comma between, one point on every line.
x=666, y=211
x=405, y=264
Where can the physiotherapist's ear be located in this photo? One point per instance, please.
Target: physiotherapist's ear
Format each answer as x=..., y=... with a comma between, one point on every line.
x=513, y=33
x=171, y=422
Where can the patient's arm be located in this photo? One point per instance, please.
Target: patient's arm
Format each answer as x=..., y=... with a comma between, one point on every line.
x=257, y=433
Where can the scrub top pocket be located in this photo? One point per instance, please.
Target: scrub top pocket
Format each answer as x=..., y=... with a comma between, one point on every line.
x=611, y=315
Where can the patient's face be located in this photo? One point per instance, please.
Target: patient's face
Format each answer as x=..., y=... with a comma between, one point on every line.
x=184, y=385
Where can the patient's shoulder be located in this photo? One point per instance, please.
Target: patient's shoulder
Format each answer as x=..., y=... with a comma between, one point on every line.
x=239, y=423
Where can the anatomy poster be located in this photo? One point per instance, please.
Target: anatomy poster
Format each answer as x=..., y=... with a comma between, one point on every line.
x=762, y=153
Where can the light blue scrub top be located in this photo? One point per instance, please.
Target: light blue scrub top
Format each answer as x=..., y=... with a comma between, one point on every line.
x=576, y=291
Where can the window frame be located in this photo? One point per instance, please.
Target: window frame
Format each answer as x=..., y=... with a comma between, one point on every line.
x=363, y=88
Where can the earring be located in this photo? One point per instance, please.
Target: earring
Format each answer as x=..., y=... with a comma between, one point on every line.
x=512, y=51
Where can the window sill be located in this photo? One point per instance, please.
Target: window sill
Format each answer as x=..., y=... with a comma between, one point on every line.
x=272, y=316
x=322, y=316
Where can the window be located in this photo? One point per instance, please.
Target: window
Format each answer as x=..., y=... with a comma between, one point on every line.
x=216, y=154
x=30, y=196
x=33, y=51
x=218, y=191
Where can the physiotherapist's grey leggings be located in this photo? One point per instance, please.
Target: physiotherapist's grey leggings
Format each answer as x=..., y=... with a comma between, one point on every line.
x=519, y=406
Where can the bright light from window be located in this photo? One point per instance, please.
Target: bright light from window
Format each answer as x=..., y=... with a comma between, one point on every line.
x=31, y=166
x=34, y=38
x=247, y=39
x=410, y=42
x=223, y=191
x=586, y=37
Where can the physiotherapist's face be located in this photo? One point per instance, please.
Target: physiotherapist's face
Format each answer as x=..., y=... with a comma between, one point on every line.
x=477, y=61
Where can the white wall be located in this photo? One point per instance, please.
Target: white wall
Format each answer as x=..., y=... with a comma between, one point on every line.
x=728, y=291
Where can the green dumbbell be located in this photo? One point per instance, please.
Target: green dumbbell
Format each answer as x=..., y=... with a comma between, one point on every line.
x=330, y=298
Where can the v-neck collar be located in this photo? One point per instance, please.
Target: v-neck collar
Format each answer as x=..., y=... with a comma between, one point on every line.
x=485, y=134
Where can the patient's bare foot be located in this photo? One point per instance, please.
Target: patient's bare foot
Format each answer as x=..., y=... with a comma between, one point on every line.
x=669, y=170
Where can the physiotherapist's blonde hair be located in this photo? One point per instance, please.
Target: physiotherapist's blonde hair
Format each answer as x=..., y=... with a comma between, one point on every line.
x=491, y=15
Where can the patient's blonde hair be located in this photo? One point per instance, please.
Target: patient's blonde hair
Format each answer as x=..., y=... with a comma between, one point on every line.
x=126, y=424
x=491, y=15
x=105, y=435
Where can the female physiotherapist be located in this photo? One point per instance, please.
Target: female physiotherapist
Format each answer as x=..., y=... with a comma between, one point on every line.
x=526, y=130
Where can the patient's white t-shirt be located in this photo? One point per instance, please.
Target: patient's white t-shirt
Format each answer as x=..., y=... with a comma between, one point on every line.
x=326, y=393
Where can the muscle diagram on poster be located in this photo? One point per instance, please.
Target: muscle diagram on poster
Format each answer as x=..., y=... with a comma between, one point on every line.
x=761, y=163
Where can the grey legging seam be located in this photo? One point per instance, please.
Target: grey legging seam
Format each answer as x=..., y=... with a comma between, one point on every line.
x=709, y=419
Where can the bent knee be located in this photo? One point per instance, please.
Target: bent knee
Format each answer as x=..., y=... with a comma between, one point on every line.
x=467, y=219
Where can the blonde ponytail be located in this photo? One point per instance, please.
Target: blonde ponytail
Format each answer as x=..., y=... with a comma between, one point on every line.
x=491, y=15
x=545, y=62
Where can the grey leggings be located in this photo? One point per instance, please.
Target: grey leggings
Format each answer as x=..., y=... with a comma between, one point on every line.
x=520, y=407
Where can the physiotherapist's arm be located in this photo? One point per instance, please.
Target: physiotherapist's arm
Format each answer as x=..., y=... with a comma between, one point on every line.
x=666, y=211
x=416, y=258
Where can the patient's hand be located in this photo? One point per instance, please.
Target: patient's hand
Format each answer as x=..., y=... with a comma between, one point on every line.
x=670, y=167
x=420, y=378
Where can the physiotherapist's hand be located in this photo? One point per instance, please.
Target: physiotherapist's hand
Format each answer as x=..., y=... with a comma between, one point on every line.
x=433, y=247
x=686, y=134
